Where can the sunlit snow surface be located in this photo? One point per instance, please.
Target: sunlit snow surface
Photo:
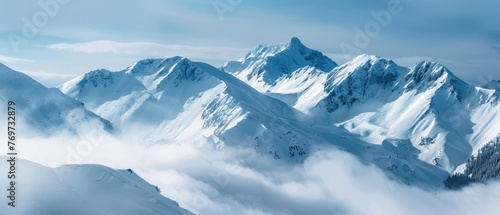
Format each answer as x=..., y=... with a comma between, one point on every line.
x=84, y=190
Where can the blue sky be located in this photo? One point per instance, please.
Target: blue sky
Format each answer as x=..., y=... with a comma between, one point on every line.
x=74, y=36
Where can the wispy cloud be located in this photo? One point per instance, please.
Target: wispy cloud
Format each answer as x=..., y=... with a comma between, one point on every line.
x=151, y=49
x=6, y=59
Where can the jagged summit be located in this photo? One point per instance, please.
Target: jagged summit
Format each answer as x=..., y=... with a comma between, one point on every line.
x=428, y=71
x=364, y=78
x=267, y=50
x=98, y=74
x=427, y=74
x=146, y=66
x=368, y=66
x=296, y=43
x=295, y=50
x=264, y=65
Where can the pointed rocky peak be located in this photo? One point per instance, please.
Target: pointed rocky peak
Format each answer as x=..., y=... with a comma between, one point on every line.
x=268, y=50
x=184, y=73
x=427, y=74
x=293, y=51
x=296, y=43
x=267, y=63
x=427, y=71
x=365, y=78
x=100, y=77
x=101, y=73
x=367, y=61
x=184, y=69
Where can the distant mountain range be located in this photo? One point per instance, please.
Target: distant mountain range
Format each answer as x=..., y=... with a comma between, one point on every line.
x=418, y=124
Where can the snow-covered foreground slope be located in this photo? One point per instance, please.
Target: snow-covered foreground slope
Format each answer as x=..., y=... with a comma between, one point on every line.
x=43, y=111
x=84, y=190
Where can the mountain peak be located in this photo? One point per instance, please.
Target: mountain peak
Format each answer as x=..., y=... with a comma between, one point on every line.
x=153, y=64
x=265, y=64
x=428, y=71
x=366, y=57
x=427, y=75
x=292, y=48
x=365, y=65
x=360, y=80
x=295, y=43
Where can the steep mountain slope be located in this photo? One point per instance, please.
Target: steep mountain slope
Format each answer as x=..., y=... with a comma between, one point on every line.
x=195, y=102
x=441, y=115
x=85, y=189
x=148, y=92
x=444, y=118
x=185, y=101
x=483, y=167
x=43, y=111
x=416, y=123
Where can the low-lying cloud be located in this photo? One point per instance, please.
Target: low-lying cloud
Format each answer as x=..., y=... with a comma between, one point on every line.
x=211, y=181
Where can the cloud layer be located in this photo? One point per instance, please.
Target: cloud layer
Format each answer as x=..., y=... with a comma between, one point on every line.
x=236, y=181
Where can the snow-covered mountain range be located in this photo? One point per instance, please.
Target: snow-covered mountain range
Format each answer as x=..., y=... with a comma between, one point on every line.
x=285, y=100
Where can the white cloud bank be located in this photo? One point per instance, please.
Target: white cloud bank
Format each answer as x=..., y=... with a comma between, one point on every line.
x=235, y=181
x=151, y=49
